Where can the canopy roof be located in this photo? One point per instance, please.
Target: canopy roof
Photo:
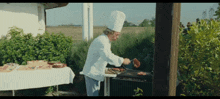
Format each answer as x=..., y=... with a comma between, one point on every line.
x=54, y=5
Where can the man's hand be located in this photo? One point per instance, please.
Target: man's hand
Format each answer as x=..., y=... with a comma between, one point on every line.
x=126, y=61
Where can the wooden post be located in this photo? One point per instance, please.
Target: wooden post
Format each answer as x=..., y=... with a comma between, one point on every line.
x=174, y=49
x=45, y=18
x=85, y=22
x=166, y=49
x=90, y=25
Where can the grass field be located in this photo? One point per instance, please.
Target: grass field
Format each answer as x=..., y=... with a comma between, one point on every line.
x=76, y=32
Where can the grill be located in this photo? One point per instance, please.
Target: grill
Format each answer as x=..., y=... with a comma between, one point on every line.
x=128, y=80
x=130, y=74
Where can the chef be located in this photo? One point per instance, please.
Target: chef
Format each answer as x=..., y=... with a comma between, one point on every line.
x=100, y=54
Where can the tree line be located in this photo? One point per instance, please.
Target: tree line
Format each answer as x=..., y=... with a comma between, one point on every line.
x=144, y=23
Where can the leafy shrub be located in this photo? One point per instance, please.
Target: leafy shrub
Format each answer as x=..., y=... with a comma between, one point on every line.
x=78, y=55
x=138, y=92
x=198, y=59
x=133, y=45
x=18, y=47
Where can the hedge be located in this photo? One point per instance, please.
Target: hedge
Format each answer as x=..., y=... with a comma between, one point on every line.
x=199, y=59
x=18, y=47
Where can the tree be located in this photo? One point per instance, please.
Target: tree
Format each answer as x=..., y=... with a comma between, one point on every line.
x=128, y=24
x=145, y=23
x=217, y=12
x=153, y=21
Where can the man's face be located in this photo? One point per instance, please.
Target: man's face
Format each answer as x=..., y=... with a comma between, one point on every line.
x=114, y=37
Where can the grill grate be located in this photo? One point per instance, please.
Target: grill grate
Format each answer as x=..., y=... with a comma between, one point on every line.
x=129, y=73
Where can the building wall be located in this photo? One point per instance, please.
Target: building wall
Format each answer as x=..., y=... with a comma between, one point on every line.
x=22, y=15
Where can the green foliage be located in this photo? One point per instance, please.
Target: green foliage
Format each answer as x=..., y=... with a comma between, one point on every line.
x=78, y=55
x=50, y=89
x=147, y=23
x=152, y=21
x=138, y=92
x=132, y=45
x=18, y=47
x=198, y=59
x=128, y=24
x=217, y=12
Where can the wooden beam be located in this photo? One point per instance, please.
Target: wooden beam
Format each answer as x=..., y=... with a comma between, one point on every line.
x=45, y=18
x=166, y=48
x=174, y=49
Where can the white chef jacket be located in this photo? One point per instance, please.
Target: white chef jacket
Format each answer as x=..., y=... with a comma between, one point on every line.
x=99, y=54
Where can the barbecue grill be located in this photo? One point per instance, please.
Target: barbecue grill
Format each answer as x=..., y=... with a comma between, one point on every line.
x=126, y=81
x=132, y=74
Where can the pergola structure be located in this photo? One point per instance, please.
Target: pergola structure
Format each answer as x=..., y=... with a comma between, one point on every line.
x=166, y=49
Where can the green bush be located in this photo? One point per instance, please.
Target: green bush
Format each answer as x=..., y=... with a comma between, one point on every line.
x=18, y=47
x=78, y=55
x=199, y=59
x=133, y=45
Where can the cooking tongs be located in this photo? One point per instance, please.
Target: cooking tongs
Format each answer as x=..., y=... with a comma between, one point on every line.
x=123, y=66
x=133, y=62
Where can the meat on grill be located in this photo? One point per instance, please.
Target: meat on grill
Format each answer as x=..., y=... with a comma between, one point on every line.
x=136, y=63
x=118, y=69
x=141, y=73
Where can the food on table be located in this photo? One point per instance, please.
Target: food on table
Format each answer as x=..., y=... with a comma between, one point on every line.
x=116, y=69
x=119, y=69
x=11, y=64
x=44, y=67
x=53, y=62
x=64, y=65
x=136, y=63
x=141, y=73
x=122, y=69
x=32, y=65
x=26, y=68
x=3, y=67
x=7, y=68
x=109, y=71
x=59, y=65
x=37, y=63
x=112, y=71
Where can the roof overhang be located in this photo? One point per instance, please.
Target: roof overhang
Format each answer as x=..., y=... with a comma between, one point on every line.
x=54, y=5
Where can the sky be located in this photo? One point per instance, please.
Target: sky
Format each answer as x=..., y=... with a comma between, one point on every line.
x=135, y=12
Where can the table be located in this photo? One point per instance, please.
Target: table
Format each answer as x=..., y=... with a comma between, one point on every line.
x=106, y=83
x=16, y=80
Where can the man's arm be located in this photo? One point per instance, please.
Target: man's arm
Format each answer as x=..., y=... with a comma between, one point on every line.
x=111, y=58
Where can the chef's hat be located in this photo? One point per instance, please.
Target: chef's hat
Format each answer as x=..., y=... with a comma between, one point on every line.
x=116, y=21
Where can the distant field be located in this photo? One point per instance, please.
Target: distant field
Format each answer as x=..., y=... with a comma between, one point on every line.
x=76, y=32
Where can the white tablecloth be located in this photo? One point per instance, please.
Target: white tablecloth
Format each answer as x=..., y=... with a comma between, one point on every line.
x=33, y=79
